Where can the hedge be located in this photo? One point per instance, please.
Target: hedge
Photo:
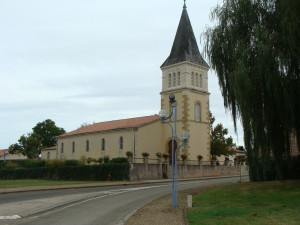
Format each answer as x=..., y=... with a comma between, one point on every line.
x=110, y=171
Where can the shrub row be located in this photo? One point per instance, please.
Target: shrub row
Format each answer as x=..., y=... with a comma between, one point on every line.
x=36, y=163
x=102, y=172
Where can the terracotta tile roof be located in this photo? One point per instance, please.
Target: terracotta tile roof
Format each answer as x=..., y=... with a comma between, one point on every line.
x=3, y=151
x=114, y=125
x=49, y=148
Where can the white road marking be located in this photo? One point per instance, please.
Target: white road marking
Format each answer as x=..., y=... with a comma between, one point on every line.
x=14, y=217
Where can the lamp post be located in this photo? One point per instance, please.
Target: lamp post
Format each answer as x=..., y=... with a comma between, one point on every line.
x=185, y=137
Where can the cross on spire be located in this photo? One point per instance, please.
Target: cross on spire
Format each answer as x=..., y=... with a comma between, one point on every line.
x=184, y=6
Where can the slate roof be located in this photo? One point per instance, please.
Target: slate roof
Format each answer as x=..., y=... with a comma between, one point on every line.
x=114, y=125
x=185, y=46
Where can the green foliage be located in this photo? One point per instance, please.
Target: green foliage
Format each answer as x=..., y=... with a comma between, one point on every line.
x=220, y=144
x=110, y=171
x=55, y=163
x=47, y=132
x=43, y=135
x=29, y=146
x=106, y=159
x=265, y=170
x=34, y=163
x=100, y=160
x=254, y=49
x=72, y=162
x=119, y=160
x=11, y=165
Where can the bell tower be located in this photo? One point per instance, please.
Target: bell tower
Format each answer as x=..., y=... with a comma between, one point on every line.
x=184, y=75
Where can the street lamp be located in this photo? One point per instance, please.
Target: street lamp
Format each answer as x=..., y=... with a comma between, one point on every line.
x=164, y=116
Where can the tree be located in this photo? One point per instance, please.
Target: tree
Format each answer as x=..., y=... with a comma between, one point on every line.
x=44, y=135
x=47, y=132
x=255, y=50
x=28, y=145
x=220, y=144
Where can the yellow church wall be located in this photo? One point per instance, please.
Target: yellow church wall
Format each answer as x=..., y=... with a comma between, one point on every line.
x=112, y=145
x=149, y=139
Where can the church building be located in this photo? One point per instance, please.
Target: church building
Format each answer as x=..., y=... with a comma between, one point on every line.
x=184, y=75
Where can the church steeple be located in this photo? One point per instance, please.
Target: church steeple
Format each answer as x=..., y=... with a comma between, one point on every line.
x=185, y=46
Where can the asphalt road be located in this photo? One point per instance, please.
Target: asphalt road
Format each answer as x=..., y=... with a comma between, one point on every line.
x=96, y=206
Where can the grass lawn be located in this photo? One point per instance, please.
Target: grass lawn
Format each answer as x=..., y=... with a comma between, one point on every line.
x=247, y=203
x=31, y=183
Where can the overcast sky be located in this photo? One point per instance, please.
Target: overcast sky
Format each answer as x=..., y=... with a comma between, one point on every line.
x=84, y=61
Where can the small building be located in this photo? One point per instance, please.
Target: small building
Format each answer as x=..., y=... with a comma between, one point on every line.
x=5, y=155
x=49, y=153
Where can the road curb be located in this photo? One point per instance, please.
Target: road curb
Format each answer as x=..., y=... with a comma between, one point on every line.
x=100, y=184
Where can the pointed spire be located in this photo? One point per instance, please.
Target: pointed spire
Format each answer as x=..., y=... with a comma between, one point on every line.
x=185, y=46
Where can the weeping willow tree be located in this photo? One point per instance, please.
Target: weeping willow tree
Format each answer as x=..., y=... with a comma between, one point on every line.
x=254, y=48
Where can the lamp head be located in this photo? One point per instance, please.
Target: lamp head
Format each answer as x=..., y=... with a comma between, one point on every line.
x=185, y=136
x=163, y=114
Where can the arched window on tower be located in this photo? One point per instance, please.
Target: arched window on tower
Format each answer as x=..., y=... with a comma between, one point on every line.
x=201, y=81
x=170, y=80
x=178, y=79
x=174, y=79
x=197, y=80
x=198, y=112
x=193, y=79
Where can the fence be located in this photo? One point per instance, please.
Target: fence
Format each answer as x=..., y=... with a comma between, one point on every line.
x=145, y=169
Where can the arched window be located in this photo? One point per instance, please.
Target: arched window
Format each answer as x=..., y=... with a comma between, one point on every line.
x=103, y=144
x=201, y=81
x=170, y=80
x=174, y=79
x=193, y=79
x=121, y=143
x=197, y=80
x=198, y=112
x=73, y=146
x=62, y=148
x=178, y=79
x=87, y=146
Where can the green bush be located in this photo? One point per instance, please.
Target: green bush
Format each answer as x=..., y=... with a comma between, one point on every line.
x=11, y=165
x=55, y=163
x=34, y=163
x=72, y=162
x=119, y=160
x=103, y=172
x=106, y=159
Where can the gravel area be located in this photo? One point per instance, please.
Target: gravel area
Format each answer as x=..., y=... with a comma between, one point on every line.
x=160, y=211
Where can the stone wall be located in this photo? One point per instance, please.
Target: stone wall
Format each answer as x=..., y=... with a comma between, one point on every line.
x=140, y=171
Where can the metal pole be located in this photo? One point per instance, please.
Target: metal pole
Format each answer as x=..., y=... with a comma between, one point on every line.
x=173, y=172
